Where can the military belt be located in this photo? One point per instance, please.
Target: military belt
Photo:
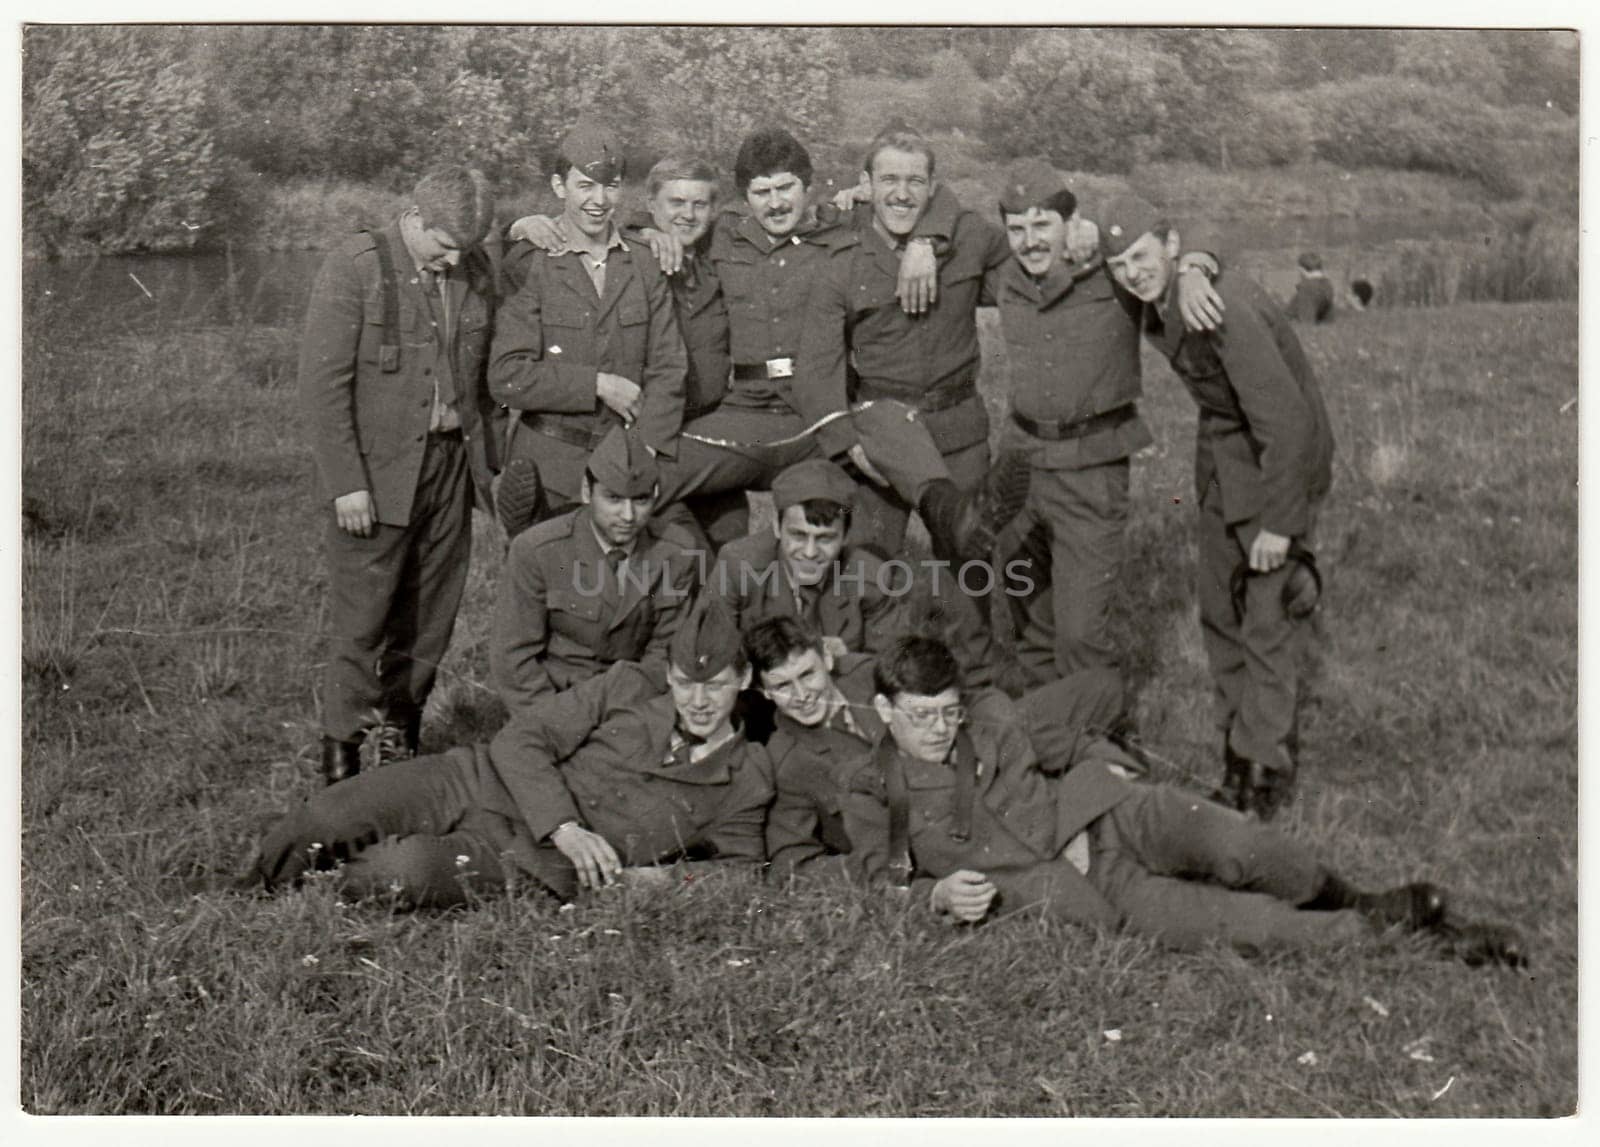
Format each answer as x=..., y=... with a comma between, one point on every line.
x=769, y=371
x=1064, y=430
x=588, y=439
x=951, y=392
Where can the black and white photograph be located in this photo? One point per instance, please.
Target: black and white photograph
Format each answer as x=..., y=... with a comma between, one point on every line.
x=739, y=570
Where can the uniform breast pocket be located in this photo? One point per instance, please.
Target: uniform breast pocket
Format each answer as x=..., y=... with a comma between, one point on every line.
x=562, y=319
x=578, y=596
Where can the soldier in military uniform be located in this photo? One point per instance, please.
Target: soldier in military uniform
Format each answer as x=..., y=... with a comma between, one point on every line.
x=825, y=721
x=1263, y=464
x=599, y=584
x=586, y=789
x=1313, y=294
x=956, y=805
x=774, y=414
x=392, y=389
x=1072, y=351
x=586, y=341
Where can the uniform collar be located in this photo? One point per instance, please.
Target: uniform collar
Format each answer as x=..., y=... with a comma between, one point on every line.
x=574, y=243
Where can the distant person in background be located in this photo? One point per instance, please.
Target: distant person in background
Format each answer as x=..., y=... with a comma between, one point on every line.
x=1313, y=295
x=1361, y=293
x=1263, y=464
x=392, y=389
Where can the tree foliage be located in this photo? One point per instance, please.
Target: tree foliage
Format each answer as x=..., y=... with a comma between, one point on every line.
x=117, y=155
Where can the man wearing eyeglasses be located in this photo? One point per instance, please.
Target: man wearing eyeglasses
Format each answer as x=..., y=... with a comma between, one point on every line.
x=960, y=809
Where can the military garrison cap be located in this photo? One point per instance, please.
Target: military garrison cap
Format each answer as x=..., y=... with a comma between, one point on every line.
x=707, y=642
x=1124, y=220
x=1310, y=261
x=623, y=465
x=594, y=151
x=1032, y=183
x=813, y=478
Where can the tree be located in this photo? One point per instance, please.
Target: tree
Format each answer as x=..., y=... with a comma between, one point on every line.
x=1088, y=100
x=116, y=152
x=711, y=86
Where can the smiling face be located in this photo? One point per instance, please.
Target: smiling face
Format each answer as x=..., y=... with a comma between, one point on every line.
x=586, y=203
x=704, y=707
x=1038, y=239
x=901, y=186
x=777, y=201
x=1145, y=269
x=683, y=207
x=808, y=551
x=923, y=727
x=617, y=518
x=801, y=686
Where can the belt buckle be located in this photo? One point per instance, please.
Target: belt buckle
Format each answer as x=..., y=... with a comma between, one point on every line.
x=780, y=368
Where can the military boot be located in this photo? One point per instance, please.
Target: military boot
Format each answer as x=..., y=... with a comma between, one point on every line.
x=964, y=524
x=1416, y=907
x=1477, y=943
x=518, y=496
x=340, y=759
x=1254, y=786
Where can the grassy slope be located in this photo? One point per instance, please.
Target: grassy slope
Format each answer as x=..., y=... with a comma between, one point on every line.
x=172, y=598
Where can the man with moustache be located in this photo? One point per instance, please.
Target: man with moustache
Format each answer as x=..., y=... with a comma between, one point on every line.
x=1072, y=348
x=603, y=583
x=586, y=341
x=773, y=415
x=609, y=781
x=392, y=386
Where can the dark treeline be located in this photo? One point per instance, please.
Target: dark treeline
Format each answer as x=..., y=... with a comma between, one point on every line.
x=170, y=137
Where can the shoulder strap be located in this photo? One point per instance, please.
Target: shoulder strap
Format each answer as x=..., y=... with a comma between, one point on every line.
x=966, y=765
x=389, y=284
x=894, y=778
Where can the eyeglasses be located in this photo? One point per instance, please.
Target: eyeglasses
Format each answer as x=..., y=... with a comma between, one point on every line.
x=924, y=716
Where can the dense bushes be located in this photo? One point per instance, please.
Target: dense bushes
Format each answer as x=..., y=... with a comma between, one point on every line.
x=116, y=152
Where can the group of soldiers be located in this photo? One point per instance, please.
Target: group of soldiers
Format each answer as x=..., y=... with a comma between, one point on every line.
x=688, y=696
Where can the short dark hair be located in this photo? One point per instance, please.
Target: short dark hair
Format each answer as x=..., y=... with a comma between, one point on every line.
x=773, y=640
x=770, y=151
x=458, y=200
x=680, y=166
x=916, y=664
x=821, y=512
x=900, y=137
x=1063, y=203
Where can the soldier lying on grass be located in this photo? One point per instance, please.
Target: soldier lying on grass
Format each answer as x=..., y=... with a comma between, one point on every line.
x=577, y=791
x=969, y=816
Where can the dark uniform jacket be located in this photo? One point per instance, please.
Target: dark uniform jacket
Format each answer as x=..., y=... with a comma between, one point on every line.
x=813, y=767
x=1072, y=350
x=554, y=334
x=1313, y=300
x=855, y=321
x=753, y=581
x=369, y=426
x=599, y=754
x=562, y=617
x=1264, y=433
x=703, y=320
x=1024, y=811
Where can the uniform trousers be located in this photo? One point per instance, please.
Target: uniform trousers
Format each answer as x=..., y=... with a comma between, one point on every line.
x=1073, y=530
x=1256, y=661
x=890, y=435
x=881, y=515
x=393, y=599
x=1187, y=870
x=415, y=829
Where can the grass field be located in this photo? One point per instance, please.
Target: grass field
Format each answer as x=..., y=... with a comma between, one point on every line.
x=172, y=610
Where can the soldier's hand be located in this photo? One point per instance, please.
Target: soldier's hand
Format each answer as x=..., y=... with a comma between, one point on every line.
x=1198, y=302
x=1083, y=239
x=1268, y=551
x=591, y=854
x=834, y=645
x=355, y=513
x=540, y=230
x=620, y=394
x=964, y=894
x=858, y=455
x=666, y=247
x=846, y=198
x=918, y=286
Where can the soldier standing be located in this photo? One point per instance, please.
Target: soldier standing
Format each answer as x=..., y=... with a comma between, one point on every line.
x=392, y=387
